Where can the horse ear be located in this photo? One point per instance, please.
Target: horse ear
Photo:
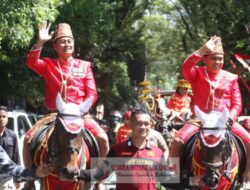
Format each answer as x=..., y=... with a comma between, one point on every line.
x=85, y=106
x=60, y=104
x=200, y=114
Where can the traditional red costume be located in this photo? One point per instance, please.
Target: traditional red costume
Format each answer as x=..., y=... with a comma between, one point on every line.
x=77, y=73
x=212, y=92
x=177, y=102
x=125, y=130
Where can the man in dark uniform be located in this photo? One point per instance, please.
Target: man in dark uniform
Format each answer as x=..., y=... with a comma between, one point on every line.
x=8, y=141
x=133, y=153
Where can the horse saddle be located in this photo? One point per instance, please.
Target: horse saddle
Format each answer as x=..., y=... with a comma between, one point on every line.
x=38, y=137
x=242, y=152
x=186, y=159
x=91, y=143
x=43, y=131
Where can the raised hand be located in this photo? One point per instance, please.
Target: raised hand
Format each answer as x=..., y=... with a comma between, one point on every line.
x=210, y=45
x=44, y=34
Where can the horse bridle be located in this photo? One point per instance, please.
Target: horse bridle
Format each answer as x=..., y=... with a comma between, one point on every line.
x=68, y=115
x=212, y=176
x=54, y=152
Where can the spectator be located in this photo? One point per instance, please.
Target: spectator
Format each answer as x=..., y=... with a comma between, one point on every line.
x=179, y=103
x=114, y=123
x=135, y=149
x=160, y=106
x=155, y=138
x=246, y=124
x=8, y=141
x=125, y=130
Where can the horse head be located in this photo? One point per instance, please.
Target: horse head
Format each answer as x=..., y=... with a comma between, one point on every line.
x=66, y=147
x=216, y=144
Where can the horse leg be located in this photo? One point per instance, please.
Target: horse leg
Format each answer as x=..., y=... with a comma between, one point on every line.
x=28, y=163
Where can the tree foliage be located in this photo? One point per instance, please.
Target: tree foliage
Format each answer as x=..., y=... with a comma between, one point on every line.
x=173, y=29
x=124, y=39
x=18, y=20
x=226, y=18
x=103, y=36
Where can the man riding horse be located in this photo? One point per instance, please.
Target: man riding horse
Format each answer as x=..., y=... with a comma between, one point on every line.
x=216, y=160
x=72, y=78
x=213, y=90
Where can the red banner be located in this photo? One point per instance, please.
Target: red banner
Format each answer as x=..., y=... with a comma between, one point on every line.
x=243, y=59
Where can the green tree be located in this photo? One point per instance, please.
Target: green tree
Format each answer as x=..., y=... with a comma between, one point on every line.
x=124, y=39
x=18, y=20
x=103, y=35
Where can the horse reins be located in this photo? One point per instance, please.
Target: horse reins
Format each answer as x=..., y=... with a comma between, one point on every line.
x=212, y=166
x=53, y=154
x=227, y=127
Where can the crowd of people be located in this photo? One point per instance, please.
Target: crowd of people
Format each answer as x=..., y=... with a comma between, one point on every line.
x=212, y=89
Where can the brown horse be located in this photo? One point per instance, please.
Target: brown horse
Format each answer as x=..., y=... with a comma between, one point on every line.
x=64, y=143
x=217, y=156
